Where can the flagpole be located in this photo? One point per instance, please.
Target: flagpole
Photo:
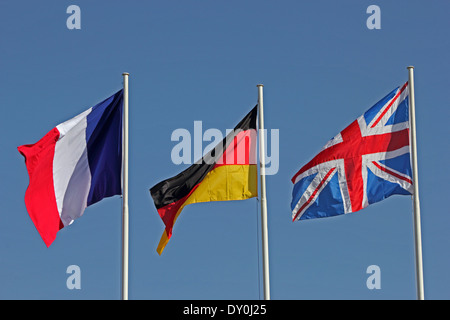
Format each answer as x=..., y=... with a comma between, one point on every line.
x=125, y=190
x=417, y=227
x=262, y=166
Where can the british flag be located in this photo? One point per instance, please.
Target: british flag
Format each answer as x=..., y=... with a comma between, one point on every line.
x=365, y=163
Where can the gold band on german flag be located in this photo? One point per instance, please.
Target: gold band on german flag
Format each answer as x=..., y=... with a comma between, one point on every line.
x=227, y=172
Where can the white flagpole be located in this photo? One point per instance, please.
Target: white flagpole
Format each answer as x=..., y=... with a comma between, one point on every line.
x=262, y=166
x=125, y=190
x=417, y=227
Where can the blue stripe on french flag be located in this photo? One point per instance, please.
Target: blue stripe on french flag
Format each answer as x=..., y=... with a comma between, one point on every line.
x=76, y=164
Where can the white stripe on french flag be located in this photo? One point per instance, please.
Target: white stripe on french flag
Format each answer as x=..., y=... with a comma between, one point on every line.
x=76, y=164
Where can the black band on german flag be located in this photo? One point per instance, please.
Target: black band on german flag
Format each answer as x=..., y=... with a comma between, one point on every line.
x=227, y=172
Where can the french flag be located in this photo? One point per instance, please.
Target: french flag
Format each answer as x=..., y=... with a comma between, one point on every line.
x=74, y=165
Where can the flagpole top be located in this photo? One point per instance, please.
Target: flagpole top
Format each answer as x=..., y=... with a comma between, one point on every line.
x=125, y=74
x=260, y=85
x=410, y=67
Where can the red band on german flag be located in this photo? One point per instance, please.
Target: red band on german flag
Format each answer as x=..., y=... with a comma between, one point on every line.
x=227, y=172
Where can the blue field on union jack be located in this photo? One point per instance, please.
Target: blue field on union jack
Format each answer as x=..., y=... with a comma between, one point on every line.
x=365, y=163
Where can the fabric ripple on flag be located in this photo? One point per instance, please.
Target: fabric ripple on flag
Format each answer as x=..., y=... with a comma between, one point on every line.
x=227, y=172
x=365, y=163
x=75, y=165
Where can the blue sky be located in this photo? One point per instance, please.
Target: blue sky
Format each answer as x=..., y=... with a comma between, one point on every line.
x=201, y=60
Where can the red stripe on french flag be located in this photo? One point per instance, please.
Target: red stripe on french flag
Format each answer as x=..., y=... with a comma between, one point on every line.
x=40, y=195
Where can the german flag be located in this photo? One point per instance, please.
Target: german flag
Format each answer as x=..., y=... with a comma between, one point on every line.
x=227, y=172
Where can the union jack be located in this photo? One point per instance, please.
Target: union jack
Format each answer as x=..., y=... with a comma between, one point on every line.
x=365, y=163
